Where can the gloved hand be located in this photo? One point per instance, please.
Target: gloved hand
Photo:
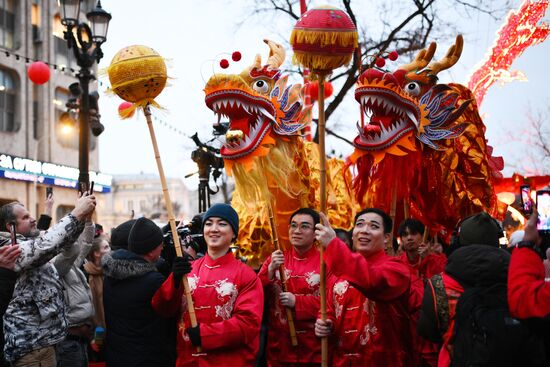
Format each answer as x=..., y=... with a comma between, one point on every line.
x=180, y=267
x=195, y=335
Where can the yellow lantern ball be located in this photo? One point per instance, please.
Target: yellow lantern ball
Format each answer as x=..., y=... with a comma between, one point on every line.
x=137, y=74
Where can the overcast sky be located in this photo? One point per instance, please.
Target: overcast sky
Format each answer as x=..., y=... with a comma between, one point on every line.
x=195, y=37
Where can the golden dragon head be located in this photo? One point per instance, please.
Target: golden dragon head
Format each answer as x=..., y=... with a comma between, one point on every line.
x=259, y=105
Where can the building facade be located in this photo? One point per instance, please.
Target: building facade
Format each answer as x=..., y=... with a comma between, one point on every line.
x=36, y=149
x=134, y=196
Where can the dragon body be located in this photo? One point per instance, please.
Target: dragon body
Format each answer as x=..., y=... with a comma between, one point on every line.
x=423, y=148
x=269, y=160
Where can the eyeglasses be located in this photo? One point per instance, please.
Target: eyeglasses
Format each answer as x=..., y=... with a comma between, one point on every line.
x=303, y=226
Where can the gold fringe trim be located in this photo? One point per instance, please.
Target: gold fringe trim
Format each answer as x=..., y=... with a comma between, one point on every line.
x=320, y=62
x=324, y=38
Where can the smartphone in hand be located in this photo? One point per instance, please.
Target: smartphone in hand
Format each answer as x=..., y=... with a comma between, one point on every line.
x=543, y=208
x=526, y=202
x=49, y=192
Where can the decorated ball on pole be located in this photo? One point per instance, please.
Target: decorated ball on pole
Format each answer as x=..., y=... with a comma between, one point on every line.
x=323, y=39
x=39, y=72
x=137, y=75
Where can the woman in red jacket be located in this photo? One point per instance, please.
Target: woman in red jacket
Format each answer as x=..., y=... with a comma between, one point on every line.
x=227, y=296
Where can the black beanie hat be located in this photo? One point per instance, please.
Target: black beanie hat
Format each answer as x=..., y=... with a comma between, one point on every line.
x=145, y=236
x=119, y=235
x=225, y=212
x=479, y=229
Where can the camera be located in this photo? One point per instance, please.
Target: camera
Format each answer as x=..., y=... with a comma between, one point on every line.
x=190, y=235
x=526, y=203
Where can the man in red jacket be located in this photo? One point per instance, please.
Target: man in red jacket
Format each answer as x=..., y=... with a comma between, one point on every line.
x=528, y=292
x=393, y=292
x=301, y=266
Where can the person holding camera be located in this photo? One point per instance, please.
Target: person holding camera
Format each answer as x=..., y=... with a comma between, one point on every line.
x=227, y=297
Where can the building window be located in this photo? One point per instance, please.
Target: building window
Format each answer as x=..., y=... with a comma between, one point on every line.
x=63, y=56
x=7, y=23
x=130, y=205
x=8, y=102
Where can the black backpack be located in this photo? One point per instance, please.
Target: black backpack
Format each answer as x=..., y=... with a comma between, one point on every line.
x=485, y=334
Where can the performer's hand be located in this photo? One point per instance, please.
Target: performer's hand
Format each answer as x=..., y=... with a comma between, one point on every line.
x=531, y=232
x=323, y=328
x=180, y=267
x=277, y=259
x=323, y=231
x=287, y=299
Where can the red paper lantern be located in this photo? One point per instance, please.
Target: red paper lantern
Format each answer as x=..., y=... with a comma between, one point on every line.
x=313, y=89
x=38, y=72
x=126, y=110
x=324, y=39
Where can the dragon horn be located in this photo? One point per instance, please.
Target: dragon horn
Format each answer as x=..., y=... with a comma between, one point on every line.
x=450, y=59
x=276, y=54
x=422, y=59
x=257, y=64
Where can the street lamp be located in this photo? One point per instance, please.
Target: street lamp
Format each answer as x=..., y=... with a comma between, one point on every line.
x=87, y=50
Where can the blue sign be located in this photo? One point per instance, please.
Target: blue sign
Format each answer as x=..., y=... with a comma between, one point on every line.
x=24, y=169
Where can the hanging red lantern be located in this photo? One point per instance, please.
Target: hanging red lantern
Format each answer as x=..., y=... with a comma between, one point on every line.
x=126, y=110
x=38, y=72
x=313, y=89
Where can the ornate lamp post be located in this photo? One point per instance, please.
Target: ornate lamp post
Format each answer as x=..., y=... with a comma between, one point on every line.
x=87, y=50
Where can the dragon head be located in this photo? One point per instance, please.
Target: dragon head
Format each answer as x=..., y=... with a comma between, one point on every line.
x=257, y=103
x=408, y=105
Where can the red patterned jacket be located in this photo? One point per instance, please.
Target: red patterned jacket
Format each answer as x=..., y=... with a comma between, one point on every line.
x=302, y=272
x=395, y=294
x=228, y=300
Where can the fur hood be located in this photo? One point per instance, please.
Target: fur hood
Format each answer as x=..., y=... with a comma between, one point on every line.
x=123, y=264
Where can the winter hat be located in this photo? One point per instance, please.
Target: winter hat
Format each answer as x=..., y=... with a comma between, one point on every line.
x=479, y=229
x=225, y=212
x=119, y=235
x=145, y=236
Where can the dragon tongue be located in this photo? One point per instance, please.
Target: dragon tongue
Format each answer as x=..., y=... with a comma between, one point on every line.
x=372, y=129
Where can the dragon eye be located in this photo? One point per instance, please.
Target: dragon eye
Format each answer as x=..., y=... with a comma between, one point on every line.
x=413, y=88
x=260, y=86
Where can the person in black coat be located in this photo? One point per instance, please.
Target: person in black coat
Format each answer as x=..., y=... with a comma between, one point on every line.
x=136, y=336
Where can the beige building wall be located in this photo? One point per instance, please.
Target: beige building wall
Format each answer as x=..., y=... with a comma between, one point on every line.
x=37, y=136
x=142, y=194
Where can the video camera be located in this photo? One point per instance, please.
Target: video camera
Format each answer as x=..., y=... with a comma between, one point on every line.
x=190, y=235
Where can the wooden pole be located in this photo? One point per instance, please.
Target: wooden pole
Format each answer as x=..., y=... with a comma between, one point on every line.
x=393, y=210
x=282, y=275
x=171, y=219
x=323, y=204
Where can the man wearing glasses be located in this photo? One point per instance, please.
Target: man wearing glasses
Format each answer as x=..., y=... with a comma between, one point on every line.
x=301, y=266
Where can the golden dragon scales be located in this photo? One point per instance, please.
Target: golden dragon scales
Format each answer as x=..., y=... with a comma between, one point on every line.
x=423, y=145
x=269, y=160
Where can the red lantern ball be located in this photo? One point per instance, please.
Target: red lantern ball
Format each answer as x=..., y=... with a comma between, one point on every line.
x=380, y=62
x=39, y=72
x=224, y=64
x=393, y=55
x=236, y=56
x=313, y=90
x=324, y=39
x=123, y=109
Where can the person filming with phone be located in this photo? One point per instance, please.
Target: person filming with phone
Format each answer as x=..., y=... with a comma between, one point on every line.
x=34, y=318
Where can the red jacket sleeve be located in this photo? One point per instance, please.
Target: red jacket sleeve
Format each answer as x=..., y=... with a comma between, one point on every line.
x=263, y=274
x=244, y=324
x=528, y=293
x=384, y=281
x=167, y=299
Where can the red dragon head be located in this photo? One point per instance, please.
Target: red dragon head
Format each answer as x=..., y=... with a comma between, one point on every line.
x=407, y=105
x=258, y=103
